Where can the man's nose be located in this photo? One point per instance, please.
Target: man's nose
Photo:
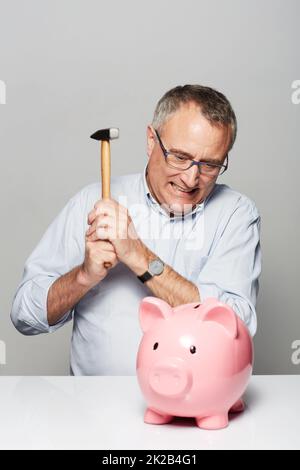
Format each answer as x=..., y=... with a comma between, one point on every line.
x=191, y=176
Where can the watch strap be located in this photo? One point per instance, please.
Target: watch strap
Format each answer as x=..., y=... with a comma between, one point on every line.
x=145, y=277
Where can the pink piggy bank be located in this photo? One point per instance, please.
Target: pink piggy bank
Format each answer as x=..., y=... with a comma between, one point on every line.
x=194, y=360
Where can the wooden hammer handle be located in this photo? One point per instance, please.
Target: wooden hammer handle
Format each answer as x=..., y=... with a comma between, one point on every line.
x=105, y=175
x=105, y=169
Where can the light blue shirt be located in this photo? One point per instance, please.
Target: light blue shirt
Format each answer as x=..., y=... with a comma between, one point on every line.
x=216, y=246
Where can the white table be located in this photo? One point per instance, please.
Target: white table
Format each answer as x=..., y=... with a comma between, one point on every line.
x=107, y=413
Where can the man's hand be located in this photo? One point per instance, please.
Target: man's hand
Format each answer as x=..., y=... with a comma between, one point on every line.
x=98, y=256
x=111, y=221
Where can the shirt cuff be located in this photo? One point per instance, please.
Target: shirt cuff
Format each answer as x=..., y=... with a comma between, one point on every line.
x=39, y=293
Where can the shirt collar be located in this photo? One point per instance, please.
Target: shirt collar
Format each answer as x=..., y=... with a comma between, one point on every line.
x=155, y=205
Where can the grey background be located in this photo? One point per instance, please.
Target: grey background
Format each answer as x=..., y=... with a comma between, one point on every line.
x=74, y=66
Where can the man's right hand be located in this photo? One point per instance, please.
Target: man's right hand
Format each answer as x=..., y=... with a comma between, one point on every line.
x=69, y=289
x=98, y=255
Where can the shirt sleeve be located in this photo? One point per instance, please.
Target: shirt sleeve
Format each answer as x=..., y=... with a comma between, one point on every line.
x=60, y=250
x=232, y=270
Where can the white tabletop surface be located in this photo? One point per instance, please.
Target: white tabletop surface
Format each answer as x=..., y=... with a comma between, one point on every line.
x=107, y=413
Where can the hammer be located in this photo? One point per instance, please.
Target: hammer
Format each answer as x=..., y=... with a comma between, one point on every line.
x=105, y=135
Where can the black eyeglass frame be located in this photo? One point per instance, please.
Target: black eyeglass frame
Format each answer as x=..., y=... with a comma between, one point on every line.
x=193, y=162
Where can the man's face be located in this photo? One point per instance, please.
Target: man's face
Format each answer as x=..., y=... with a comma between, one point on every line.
x=187, y=132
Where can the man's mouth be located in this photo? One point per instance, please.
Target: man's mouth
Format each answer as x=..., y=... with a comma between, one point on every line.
x=179, y=189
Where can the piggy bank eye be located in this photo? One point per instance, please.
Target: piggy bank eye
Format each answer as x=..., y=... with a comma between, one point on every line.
x=155, y=346
x=193, y=349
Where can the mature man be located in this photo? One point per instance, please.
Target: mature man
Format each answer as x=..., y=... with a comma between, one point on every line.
x=171, y=232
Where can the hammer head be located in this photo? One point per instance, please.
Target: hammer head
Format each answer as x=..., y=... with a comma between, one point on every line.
x=106, y=134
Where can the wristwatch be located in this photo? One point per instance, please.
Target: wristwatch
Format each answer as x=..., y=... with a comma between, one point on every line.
x=155, y=268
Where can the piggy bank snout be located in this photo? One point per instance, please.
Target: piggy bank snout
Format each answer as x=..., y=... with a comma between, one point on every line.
x=170, y=377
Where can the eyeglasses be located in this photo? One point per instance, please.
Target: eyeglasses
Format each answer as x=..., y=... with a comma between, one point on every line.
x=181, y=162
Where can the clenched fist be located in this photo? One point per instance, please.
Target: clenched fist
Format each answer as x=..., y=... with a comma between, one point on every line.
x=99, y=257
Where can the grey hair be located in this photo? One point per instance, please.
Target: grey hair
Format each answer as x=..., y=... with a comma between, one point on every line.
x=213, y=105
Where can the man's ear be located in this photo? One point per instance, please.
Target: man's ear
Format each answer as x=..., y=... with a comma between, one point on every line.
x=151, y=310
x=150, y=140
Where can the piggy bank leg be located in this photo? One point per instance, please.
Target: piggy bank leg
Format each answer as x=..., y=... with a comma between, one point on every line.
x=152, y=417
x=213, y=422
x=237, y=407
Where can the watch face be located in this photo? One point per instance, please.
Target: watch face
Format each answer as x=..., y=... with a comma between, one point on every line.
x=156, y=267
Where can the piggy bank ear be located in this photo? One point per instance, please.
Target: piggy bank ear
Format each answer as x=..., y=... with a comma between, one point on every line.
x=215, y=311
x=151, y=310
